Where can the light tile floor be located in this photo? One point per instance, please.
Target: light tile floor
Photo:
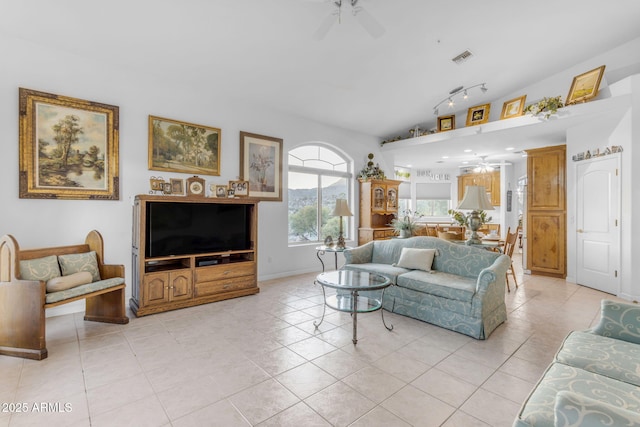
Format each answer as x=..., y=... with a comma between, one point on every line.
x=258, y=360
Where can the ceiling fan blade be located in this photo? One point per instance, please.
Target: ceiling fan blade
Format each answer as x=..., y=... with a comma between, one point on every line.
x=368, y=22
x=325, y=26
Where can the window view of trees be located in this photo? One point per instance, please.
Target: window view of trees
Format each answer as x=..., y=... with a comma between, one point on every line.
x=437, y=208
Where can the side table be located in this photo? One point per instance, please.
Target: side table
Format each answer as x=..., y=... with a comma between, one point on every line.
x=321, y=250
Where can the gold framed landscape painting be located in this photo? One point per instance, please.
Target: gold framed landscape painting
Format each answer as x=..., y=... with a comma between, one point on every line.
x=68, y=148
x=478, y=114
x=261, y=165
x=513, y=107
x=176, y=146
x=585, y=86
x=446, y=123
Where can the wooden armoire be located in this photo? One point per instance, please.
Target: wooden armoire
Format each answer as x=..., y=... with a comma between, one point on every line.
x=546, y=211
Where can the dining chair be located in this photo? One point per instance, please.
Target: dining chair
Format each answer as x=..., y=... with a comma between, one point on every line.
x=509, y=246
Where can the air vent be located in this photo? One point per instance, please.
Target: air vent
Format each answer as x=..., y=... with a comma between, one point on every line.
x=462, y=57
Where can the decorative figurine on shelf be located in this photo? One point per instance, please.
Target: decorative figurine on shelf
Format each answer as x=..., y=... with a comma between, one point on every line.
x=328, y=241
x=371, y=171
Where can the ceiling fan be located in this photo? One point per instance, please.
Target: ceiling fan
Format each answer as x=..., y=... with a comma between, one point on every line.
x=483, y=166
x=368, y=22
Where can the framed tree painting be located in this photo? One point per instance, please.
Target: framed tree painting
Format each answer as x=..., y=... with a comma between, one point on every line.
x=176, y=146
x=261, y=165
x=68, y=148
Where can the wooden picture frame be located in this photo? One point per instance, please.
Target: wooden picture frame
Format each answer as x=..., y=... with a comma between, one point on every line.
x=513, y=107
x=446, y=123
x=221, y=191
x=585, y=86
x=478, y=115
x=240, y=188
x=261, y=165
x=176, y=146
x=177, y=186
x=68, y=148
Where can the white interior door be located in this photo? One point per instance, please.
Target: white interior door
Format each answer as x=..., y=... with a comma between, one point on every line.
x=597, y=223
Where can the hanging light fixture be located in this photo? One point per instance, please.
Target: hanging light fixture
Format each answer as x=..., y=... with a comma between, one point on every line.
x=457, y=91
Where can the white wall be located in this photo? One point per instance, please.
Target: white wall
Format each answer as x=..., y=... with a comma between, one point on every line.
x=41, y=223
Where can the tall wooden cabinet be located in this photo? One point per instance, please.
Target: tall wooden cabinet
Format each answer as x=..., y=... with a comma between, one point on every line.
x=546, y=211
x=172, y=282
x=378, y=206
x=489, y=180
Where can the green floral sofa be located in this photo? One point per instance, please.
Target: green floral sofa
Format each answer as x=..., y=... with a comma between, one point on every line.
x=594, y=379
x=462, y=290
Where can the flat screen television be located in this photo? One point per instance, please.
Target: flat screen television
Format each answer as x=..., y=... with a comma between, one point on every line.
x=196, y=228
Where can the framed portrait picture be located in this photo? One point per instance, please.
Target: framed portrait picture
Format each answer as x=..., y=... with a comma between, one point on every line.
x=513, y=107
x=261, y=165
x=446, y=123
x=240, y=188
x=478, y=114
x=177, y=186
x=183, y=147
x=585, y=86
x=68, y=148
x=221, y=190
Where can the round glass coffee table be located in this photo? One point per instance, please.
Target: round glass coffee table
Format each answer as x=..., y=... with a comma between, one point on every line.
x=348, y=285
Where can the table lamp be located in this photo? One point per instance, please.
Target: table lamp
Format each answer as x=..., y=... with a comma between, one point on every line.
x=475, y=198
x=341, y=209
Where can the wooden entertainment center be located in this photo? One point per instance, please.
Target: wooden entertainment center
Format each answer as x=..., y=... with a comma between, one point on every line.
x=164, y=283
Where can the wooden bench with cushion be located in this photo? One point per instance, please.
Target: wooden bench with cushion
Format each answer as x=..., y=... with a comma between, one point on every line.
x=36, y=279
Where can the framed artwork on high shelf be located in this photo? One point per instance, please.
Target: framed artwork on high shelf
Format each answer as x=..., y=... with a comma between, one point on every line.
x=176, y=146
x=585, y=86
x=68, y=148
x=478, y=115
x=446, y=123
x=261, y=165
x=513, y=107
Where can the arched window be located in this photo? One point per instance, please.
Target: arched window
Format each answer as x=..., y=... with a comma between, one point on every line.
x=318, y=175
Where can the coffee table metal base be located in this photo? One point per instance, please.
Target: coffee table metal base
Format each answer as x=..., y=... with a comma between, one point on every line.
x=352, y=303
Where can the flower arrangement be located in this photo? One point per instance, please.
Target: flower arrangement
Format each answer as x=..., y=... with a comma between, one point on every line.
x=371, y=171
x=406, y=226
x=548, y=106
x=463, y=219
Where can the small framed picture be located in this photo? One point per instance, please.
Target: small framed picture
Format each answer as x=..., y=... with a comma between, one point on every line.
x=240, y=188
x=446, y=123
x=231, y=193
x=513, y=107
x=478, y=114
x=166, y=188
x=221, y=191
x=177, y=186
x=585, y=86
x=156, y=183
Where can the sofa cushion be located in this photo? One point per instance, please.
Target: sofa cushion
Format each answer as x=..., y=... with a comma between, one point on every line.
x=575, y=410
x=441, y=284
x=83, y=289
x=619, y=320
x=67, y=282
x=44, y=268
x=73, y=263
x=416, y=259
x=386, y=270
x=539, y=407
x=602, y=355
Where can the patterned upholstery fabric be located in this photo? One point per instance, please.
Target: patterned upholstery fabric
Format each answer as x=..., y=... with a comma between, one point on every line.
x=44, y=269
x=83, y=289
x=595, y=377
x=73, y=263
x=464, y=292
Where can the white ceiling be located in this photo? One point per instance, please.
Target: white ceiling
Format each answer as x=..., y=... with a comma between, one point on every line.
x=263, y=51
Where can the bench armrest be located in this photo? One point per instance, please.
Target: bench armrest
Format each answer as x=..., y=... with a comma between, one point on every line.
x=619, y=320
x=109, y=271
x=360, y=255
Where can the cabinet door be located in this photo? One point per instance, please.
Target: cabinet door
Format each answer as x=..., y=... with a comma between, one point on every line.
x=392, y=198
x=378, y=197
x=181, y=285
x=155, y=288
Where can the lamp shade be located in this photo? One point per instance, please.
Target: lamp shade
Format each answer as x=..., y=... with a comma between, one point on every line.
x=475, y=198
x=342, y=208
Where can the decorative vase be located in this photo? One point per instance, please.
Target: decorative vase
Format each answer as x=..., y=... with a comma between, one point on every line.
x=404, y=234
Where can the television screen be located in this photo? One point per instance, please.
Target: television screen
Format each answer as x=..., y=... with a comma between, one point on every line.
x=196, y=228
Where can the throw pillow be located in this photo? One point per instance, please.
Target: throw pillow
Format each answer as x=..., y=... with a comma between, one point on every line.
x=40, y=268
x=416, y=259
x=67, y=282
x=73, y=263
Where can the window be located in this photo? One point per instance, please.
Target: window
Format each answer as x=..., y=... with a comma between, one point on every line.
x=318, y=175
x=433, y=199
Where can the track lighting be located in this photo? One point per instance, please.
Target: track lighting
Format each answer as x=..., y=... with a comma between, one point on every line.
x=457, y=91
